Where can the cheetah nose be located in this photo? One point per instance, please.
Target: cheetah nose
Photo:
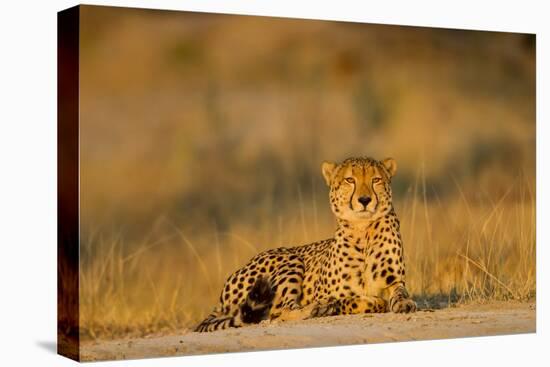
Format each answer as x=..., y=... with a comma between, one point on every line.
x=365, y=200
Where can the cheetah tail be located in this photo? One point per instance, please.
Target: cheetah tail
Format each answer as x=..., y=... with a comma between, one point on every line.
x=258, y=302
x=255, y=309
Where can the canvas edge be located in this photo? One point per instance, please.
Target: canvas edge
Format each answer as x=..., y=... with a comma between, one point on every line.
x=68, y=43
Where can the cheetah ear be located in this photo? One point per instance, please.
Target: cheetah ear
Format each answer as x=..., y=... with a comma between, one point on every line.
x=390, y=165
x=328, y=170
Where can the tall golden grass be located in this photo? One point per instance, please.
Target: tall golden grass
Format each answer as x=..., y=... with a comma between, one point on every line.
x=461, y=249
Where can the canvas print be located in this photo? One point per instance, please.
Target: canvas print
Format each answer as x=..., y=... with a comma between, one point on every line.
x=235, y=183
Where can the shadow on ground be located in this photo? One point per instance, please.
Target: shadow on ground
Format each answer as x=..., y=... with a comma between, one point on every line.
x=49, y=345
x=436, y=301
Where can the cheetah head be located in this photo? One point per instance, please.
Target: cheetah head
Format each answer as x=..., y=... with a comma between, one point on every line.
x=360, y=188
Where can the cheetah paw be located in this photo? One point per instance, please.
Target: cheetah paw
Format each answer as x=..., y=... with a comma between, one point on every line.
x=320, y=310
x=404, y=306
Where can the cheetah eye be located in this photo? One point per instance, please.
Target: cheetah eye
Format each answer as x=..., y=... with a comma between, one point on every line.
x=376, y=180
x=350, y=180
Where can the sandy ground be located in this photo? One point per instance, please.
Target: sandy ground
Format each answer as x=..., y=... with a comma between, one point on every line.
x=471, y=320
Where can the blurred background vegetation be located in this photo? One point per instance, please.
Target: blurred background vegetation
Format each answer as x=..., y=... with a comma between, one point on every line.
x=202, y=137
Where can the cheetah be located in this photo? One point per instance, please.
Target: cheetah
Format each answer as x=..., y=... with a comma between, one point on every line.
x=359, y=270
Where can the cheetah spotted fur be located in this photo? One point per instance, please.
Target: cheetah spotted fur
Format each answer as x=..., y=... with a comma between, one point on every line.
x=359, y=270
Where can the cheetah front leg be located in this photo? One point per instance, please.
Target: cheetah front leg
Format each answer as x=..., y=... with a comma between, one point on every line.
x=349, y=306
